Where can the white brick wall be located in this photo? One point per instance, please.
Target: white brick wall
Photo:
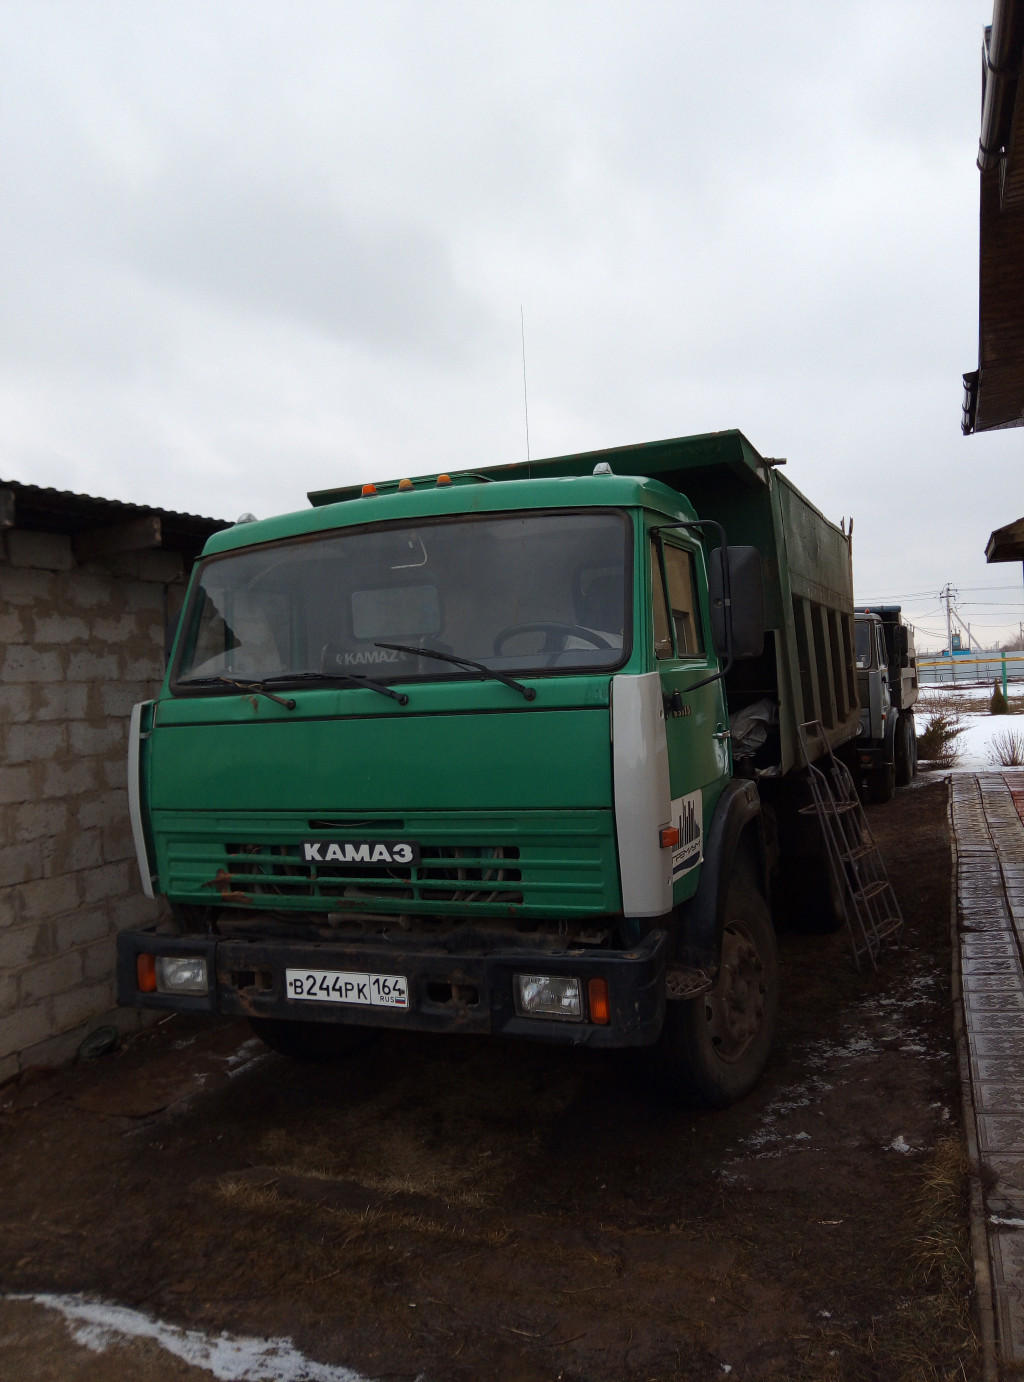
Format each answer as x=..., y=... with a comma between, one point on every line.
x=79, y=645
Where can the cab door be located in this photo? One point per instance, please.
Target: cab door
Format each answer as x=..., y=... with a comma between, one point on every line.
x=696, y=722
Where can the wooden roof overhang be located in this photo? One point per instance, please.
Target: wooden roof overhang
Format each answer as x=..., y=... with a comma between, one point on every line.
x=994, y=392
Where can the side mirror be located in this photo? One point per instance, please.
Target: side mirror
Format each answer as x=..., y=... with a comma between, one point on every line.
x=903, y=644
x=746, y=611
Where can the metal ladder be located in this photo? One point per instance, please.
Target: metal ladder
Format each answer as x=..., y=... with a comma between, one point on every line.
x=873, y=915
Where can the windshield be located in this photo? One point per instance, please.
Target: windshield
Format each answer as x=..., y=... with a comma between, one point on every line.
x=524, y=592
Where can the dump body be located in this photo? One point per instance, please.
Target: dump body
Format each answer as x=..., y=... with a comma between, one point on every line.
x=456, y=753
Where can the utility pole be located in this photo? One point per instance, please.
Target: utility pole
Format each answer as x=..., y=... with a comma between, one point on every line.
x=948, y=595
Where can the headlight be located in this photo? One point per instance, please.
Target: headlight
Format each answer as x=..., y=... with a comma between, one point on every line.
x=548, y=995
x=181, y=974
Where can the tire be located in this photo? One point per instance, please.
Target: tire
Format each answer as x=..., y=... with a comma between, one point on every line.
x=906, y=751
x=903, y=752
x=881, y=783
x=713, y=1049
x=313, y=1043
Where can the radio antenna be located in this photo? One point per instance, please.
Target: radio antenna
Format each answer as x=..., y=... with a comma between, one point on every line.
x=526, y=403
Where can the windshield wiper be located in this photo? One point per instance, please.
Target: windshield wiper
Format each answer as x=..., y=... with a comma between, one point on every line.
x=527, y=692
x=351, y=678
x=249, y=688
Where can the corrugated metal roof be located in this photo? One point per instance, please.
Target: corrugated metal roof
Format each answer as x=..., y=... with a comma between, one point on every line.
x=42, y=509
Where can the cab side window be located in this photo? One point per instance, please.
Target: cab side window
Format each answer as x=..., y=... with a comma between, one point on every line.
x=662, y=628
x=677, y=625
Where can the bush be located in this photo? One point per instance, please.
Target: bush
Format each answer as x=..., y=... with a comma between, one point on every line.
x=997, y=705
x=1006, y=749
x=937, y=741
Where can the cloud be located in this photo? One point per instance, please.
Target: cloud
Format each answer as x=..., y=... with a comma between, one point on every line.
x=249, y=249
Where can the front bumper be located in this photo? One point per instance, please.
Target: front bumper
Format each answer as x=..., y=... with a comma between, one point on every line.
x=447, y=992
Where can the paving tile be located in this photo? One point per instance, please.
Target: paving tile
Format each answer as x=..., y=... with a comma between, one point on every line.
x=1000, y=1132
x=997, y=1044
x=986, y=1001
x=987, y=1023
x=1004, y=1194
x=1010, y=1314
x=999, y=1096
x=974, y=949
x=1005, y=980
x=996, y=1068
x=992, y=965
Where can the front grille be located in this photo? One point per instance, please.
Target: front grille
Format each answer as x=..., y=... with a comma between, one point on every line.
x=562, y=863
x=445, y=873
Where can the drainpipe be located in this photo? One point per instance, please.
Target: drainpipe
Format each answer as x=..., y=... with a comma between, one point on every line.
x=1001, y=56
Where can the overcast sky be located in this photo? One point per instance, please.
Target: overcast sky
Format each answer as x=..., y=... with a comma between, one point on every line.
x=252, y=249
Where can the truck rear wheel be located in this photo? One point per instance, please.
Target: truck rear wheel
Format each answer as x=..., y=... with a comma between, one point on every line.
x=313, y=1043
x=906, y=751
x=712, y=1049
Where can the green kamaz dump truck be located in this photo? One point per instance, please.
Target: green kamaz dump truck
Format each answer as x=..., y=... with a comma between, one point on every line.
x=513, y=751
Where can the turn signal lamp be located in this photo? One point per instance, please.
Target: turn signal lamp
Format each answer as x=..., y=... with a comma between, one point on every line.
x=405, y=484
x=145, y=973
x=444, y=479
x=548, y=995
x=368, y=490
x=669, y=837
x=600, y=1007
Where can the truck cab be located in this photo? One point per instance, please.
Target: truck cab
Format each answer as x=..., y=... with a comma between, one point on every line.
x=454, y=753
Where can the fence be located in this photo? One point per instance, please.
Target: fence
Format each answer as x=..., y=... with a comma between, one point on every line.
x=982, y=669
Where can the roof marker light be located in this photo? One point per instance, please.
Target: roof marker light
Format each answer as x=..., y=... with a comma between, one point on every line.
x=405, y=484
x=444, y=479
x=602, y=468
x=368, y=490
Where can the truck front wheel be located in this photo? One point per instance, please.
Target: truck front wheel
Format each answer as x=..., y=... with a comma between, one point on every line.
x=712, y=1049
x=310, y=1042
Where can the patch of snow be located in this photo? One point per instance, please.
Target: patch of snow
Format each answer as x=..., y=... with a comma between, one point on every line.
x=250, y=1053
x=245, y=1052
x=1005, y=1223
x=974, y=744
x=899, y=1144
x=230, y=1358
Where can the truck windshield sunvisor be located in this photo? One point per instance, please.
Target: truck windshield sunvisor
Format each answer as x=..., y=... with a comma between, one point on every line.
x=524, y=593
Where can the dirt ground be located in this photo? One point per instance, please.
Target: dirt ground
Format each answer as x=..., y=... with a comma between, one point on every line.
x=455, y=1209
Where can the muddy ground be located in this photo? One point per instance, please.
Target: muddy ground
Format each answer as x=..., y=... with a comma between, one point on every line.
x=462, y=1209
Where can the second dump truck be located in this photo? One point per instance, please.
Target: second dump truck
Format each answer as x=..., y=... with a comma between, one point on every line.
x=884, y=754
x=515, y=751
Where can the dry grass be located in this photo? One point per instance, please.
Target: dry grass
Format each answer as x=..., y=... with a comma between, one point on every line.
x=242, y=1194
x=929, y=1334
x=1006, y=749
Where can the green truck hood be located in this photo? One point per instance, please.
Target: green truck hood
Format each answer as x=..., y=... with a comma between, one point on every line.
x=351, y=751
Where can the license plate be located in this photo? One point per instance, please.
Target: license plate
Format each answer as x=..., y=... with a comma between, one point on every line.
x=339, y=986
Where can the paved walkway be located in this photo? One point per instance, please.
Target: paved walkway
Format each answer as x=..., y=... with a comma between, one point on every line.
x=987, y=816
